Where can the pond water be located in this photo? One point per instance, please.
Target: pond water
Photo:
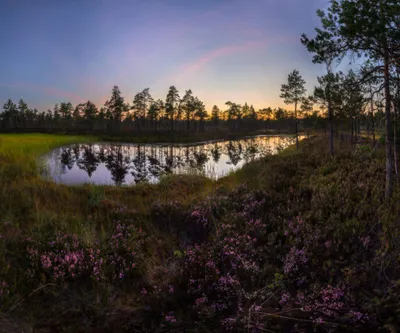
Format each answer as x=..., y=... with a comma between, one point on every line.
x=106, y=163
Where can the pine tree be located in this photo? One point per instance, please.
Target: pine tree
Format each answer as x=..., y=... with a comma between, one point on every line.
x=252, y=113
x=293, y=93
x=66, y=110
x=116, y=106
x=215, y=114
x=9, y=113
x=171, y=104
x=246, y=110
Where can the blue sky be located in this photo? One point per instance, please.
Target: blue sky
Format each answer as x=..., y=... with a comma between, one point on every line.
x=238, y=50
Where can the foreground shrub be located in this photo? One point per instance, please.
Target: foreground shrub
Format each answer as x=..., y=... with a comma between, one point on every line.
x=258, y=273
x=66, y=257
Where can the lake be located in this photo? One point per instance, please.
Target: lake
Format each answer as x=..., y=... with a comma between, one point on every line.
x=106, y=163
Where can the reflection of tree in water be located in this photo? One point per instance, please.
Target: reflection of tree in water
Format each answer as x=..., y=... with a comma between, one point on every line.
x=149, y=162
x=77, y=151
x=117, y=164
x=155, y=167
x=102, y=154
x=89, y=160
x=187, y=155
x=67, y=158
x=251, y=150
x=188, y=159
x=169, y=159
x=179, y=162
x=234, y=152
x=153, y=162
x=140, y=172
x=216, y=153
x=200, y=159
x=172, y=159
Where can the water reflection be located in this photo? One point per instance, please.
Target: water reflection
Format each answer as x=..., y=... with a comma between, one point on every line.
x=117, y=164
x=89, y=160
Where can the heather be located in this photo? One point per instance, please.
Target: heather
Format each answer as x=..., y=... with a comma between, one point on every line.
x=297, y=242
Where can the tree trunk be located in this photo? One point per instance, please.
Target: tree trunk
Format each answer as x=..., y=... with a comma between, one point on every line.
x=395, y=145
x=373, y=130
x=337, y=129
x=389, y=155
x=372, y=119
x=331, y=130
x=352, y=129
x=295, y=119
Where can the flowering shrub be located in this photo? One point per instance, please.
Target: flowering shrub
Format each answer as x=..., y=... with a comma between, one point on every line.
x=218, y=275
x=252, y=268
x=67, y=257
x=61, y=258
x=293, y=260
x=125, y=247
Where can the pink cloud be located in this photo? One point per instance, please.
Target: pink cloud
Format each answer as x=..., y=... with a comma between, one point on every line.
x=201, y=62
x=248, y=46
x=222, y=51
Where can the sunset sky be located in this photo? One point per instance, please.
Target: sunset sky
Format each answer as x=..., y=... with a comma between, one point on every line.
x=238, y=50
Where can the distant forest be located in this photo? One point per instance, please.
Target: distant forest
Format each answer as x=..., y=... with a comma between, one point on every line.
x=188, y=114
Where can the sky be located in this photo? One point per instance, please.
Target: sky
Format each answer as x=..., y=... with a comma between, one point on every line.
x=224, y=50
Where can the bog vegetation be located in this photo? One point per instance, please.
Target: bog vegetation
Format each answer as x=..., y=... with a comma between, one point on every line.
x=303, y=241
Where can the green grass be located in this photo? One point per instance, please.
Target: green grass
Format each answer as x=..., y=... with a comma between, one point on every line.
x=33, y=145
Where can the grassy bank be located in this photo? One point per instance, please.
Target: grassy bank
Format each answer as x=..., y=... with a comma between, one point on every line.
x=35, y=144
x=294, y=242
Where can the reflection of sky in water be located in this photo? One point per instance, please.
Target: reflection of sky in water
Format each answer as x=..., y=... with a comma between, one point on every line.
x=114, y=163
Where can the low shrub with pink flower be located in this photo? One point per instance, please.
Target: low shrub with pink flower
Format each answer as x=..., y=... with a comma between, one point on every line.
x=67, y=257
x=257, y=273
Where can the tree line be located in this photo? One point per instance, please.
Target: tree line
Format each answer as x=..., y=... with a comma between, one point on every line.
x=145, y=113
x=186, y=114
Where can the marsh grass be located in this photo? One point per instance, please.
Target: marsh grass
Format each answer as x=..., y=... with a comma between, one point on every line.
x=33, y=145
